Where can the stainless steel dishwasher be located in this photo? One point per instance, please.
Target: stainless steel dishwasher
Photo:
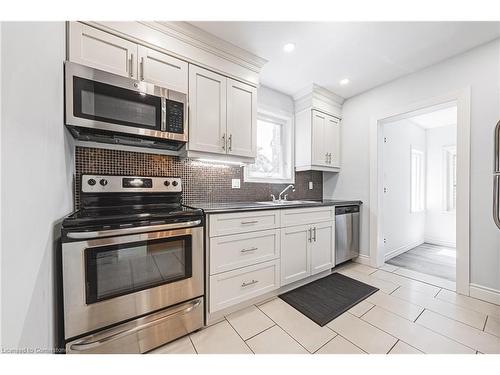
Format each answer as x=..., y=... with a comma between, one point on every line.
x=346, y=233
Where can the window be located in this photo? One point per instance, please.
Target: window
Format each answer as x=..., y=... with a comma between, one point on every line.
x=450, y=178
x=274, y=162
x=417, y=181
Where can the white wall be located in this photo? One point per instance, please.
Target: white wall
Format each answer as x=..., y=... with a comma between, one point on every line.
x=479, y=69
x=37, y=169
x=402, y=228
x=440, y=225
x=275, y=101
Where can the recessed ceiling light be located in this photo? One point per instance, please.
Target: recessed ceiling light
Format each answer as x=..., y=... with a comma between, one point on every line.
x=344, y=81
x=289, y=47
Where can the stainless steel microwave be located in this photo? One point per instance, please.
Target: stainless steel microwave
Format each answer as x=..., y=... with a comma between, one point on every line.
x=109, y=108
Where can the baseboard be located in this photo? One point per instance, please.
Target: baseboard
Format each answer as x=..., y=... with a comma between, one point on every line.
x=484, y=293
x=402, y=249
x=438, y=242
x=362, y=259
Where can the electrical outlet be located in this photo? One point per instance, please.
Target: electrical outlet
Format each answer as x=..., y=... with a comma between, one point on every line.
x=235, y=183
x=310, y=185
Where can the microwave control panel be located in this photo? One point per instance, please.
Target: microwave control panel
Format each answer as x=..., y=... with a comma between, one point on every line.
x=175, y=117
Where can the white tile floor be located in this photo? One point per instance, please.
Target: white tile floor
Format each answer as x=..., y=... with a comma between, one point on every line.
x=410, y=314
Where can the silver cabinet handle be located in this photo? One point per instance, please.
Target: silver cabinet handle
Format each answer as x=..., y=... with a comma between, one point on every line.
x=133, y=230
x=326, y=158
x=496, y=199
x=248, y=283
x=310, y=235
x=250, y=222
x=230, y=141
x=142, y=68
x=224, y=141
x=314, y=231
x=131, y=65
x=89, y=343
x=249, y=249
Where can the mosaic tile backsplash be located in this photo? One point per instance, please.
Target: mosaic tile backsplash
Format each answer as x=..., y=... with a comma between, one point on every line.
x=202, y=182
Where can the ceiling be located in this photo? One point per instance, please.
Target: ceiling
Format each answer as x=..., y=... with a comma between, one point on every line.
x=438, y=118
x=367, y=53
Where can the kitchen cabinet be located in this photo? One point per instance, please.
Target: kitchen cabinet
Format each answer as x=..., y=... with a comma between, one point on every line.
x=317, y=141
x=207, y=111
x=295, y=244
x=98, y=49
x=162, y=70
x=101, y=50
x=322, y=247
x=223, y=115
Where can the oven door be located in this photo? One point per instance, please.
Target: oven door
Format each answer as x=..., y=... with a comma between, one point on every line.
x=113, y=279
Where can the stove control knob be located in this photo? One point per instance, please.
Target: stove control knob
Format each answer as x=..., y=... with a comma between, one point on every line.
x=103, y=182
x=91, y=181
x=166, y=183
x=175, y=183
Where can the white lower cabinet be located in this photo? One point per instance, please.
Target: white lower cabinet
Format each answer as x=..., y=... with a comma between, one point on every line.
x=294, y=253
x=322, y=247
x=230, y=288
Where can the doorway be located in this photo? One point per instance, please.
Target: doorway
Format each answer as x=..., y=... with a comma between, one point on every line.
x=419, y=191
x=460, y=193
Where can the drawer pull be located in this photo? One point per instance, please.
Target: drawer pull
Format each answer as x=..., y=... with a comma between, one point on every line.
x=247, y=250
x=250, y=222
x=249, y=283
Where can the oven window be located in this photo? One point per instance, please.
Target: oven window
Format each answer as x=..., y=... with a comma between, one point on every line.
x=101, y=102
x=116, y=270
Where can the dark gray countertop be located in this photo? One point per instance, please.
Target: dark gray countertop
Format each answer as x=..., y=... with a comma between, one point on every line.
x=214, y=207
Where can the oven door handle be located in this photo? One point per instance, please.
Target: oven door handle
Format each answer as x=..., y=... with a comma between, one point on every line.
x=132, y=230
x=86, y=344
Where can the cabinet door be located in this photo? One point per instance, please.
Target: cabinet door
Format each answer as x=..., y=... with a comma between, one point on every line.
x=162, y=70
x=332, y=141
x=241, y=119
x=318, y=138
x=207, y=111
x=98, y=49
x=295, y=242
x=322, y=247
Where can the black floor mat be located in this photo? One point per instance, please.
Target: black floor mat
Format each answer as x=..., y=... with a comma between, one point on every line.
x=325, y=299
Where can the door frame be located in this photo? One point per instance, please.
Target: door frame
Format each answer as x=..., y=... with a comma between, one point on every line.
x=462, y=99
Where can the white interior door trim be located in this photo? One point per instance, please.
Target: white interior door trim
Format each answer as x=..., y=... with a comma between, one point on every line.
x=462, y=99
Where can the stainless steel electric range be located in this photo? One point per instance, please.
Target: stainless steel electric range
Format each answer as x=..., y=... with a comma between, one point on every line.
x=132, y=265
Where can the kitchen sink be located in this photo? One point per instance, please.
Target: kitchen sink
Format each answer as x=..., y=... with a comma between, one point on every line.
x=287, y=203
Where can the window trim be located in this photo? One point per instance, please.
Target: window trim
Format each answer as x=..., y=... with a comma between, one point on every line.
x=287, y=119
x=417, y=150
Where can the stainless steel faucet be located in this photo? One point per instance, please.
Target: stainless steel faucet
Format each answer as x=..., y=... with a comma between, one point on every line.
x=280, y=196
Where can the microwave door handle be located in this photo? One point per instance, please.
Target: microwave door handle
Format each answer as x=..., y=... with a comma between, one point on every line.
x=163, y=125
x=89, y=344
x=133, y=230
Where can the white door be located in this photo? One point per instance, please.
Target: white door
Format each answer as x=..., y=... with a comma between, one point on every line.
x=318, y=138
x=332, y=141
x=100, y=50
x=322, y=247
x=207, y=111
x=162, y=70
x=295, y=243
x=241, y=119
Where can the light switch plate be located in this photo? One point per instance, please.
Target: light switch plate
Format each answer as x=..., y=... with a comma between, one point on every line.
x=310, y=185
x=235, y=183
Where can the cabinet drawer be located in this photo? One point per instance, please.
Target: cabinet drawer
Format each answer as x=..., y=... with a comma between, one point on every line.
x=304, y=216
x=233, y=287
x=231, y=252
x=242, y=222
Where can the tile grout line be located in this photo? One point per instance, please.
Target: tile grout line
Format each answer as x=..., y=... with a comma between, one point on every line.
x=366, y=312
x=393, y=346
x=257, y=334
x=192, y=343
x=439, y=291
x=421, y=312
x=485, y=322
x=284, y=330
x=234, y=329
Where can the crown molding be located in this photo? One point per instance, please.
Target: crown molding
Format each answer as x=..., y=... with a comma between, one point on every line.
x=209, y=42
x=320, y=93
x=316, y=97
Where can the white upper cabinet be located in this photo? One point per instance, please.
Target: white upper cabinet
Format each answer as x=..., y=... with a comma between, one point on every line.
x=207, y=111
x=223, y=115
x=98, y=49
x=317, y=130
x=241, y=119
x=162, y=70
